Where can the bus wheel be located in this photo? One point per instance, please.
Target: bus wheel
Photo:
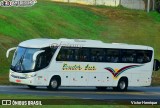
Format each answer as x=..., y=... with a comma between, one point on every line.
x=122, y=84
x=54, y=84
x=101, y=88
x=31, y=87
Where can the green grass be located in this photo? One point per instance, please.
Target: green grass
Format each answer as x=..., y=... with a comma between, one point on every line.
x=16, y=96
x=49, y=19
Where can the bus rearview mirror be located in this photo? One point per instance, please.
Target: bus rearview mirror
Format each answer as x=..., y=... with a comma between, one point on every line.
x=9, y=50
x=156, y=65
x=36, y=54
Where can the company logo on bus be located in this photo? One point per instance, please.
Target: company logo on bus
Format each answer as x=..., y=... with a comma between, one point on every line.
x=78, y=67
x=116, y=72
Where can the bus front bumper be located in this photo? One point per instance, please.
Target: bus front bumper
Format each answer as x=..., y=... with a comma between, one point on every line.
x=22, y=78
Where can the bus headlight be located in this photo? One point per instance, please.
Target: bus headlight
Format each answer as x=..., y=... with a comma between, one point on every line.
x=29, y=76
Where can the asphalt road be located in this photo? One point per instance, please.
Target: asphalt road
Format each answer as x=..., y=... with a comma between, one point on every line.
x=86, y=92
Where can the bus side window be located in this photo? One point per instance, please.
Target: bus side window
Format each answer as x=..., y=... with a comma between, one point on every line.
x=114, y=59
x=44, y=58
x=128, y=56
x=76, y=55
x=84, y=54
x=140, y=59
x=69, y=54
x=144, y=56
x=62, y=54
x=93, y=55
x=107, y=56
x=97, y=55
x=147, y=56
x=112, y=55
x=100, y=55
x=124, y=59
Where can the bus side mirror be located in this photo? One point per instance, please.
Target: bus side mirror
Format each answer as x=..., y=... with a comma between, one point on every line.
x=9, y=50
x=156, y=65
x=36, y=54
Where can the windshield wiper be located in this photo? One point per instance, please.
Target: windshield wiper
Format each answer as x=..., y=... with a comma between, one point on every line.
x=20, y=62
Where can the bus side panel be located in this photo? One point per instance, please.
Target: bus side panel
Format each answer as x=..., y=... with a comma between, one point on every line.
x=142, y=75
x=139, y=79
x=98, y=79
x=65, y=78
x=79, y=79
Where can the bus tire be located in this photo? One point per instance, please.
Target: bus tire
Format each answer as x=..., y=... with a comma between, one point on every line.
x=31, y=87
x=54, y=84
x=122, y=84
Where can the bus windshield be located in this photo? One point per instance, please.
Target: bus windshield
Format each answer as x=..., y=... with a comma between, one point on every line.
x=23, y=59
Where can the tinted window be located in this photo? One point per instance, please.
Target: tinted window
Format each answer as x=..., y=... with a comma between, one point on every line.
x=144, y=56
x=73, y=54
x=112, y=55
x=104, y=55
x=97, y=55
x=128, y=56
x=44, y=58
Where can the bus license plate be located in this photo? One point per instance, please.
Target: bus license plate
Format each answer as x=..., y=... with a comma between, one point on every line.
x=18, y=81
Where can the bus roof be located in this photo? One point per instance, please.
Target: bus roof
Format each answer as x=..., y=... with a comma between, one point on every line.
x=43, y=42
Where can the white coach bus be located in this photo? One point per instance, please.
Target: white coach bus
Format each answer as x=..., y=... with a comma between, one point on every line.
x=76, y=62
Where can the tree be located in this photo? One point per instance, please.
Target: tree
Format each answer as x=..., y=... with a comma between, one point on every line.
x=95, y=2
x=157, y=5
x=153, y=2
x=120, y=2
x=148, y=5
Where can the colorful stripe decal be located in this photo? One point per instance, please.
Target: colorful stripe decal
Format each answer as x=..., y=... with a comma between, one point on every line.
x=120, y=71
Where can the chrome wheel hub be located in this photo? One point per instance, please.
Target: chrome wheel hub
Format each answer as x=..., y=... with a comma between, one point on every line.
x=54, y=84
x=122, y=85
